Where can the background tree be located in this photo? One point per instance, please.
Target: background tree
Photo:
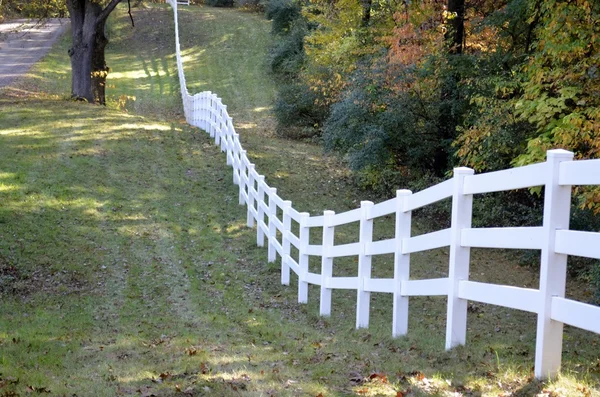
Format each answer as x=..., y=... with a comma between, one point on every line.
x=88, y=64
x=88, y=22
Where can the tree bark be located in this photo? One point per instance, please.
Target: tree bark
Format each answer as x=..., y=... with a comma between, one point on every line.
x=88, y=65
x=448, y=119
x=366, y=12
x=455, y=31
x=99, y=68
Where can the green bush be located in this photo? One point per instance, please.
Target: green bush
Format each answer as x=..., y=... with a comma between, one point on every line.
x=34, y=9
x=283, y=14
x=251, y=5
x=287, y=56
x=220, y=3
x=377, y=127
x=295, y=107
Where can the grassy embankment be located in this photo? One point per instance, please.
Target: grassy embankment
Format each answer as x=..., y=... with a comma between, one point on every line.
x=126, y=268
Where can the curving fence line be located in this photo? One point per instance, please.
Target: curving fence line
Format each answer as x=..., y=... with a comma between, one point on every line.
x=554, y=239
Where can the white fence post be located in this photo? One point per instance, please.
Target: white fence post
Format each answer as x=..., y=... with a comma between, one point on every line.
x=236, y=156
x=251, y=183
x=462, y=210
x=401, y=265
x=223, y=127
x=219, y=124
x=194, y=115
x=242, y=171
x=326, y=263
x=206, y=115
x=285, y=242
x=260, y=219
x=272, y=252
x=214, y=115
x=229, y=140
x=303, y=258
x=363, y=298
x=553, y=270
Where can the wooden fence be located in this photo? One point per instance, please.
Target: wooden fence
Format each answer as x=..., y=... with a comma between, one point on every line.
x=554, y=239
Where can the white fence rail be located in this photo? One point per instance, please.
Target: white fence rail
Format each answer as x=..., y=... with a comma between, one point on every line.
x=554, y=239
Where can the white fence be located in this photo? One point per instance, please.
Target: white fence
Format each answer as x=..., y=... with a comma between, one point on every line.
x=554, y=239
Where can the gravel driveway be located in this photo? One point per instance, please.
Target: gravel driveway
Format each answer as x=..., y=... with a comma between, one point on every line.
x=23, y=42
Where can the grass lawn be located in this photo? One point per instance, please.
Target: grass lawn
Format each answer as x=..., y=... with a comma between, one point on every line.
x=126, y=267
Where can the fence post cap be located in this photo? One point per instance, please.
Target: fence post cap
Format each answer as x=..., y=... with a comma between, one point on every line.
x=403, y=192
x=464, y=171
x=559, y=153
x=366, y=203
x=287, y=203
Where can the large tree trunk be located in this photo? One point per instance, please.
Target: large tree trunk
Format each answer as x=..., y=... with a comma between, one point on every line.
x=448, y=119
x=366, y=12
x=455, y=31
x=99, y=68
x=88, y=65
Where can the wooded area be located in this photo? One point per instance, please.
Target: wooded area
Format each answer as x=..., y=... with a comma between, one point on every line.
x=406, y=91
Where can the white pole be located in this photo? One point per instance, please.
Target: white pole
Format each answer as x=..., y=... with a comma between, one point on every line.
x=251, y=190
x=553, y=270
x=303, y=258
x=272, y=252
x=326, y=263
x=285, y=242
x=242, y=178
x=462, y=209
x=260, y=219
x=363, y=298
x=401, y=265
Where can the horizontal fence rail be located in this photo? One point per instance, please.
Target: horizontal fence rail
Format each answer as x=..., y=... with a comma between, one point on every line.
x=553, y=238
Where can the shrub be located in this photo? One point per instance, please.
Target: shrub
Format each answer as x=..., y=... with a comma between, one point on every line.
x=376, y=126
x=219, y=3
x=251, y=5
x=287, y=56
x=296, y=107
x=283, y=14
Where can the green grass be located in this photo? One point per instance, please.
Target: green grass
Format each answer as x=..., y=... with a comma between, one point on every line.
x=126, y=267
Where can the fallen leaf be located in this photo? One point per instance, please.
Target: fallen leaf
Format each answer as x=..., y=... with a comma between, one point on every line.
x=381, y=376
x=203, y=369
x=191, y=351
x=31, y=389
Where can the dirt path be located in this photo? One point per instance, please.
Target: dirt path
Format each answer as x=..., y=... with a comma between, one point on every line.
x=23, y=42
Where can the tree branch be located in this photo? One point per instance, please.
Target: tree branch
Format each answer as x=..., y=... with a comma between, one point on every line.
x=129, y=11
x=108, y=9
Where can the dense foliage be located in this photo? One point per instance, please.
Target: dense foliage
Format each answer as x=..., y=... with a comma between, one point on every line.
x=33, y=8
x=405, y=91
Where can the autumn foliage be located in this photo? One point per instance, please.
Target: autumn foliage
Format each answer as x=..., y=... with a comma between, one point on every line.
x=405, y=100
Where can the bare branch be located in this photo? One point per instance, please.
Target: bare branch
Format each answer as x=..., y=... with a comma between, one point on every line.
x=129, y=11
x=108, y=9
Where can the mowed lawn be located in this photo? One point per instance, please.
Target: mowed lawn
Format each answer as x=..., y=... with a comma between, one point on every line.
x=126, y=267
